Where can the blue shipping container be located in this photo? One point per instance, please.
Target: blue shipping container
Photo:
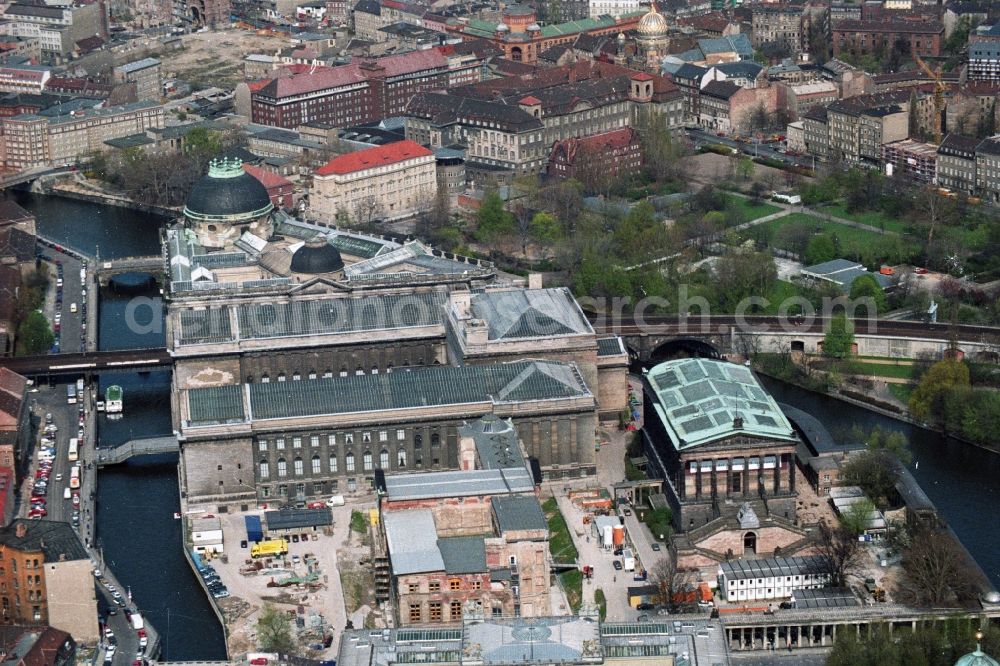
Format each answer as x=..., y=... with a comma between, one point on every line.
x=254, y=530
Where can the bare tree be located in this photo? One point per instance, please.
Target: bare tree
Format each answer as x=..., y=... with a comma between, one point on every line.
x=840, y=550
x=937, y=570
x=367, y=210
x=663, y=575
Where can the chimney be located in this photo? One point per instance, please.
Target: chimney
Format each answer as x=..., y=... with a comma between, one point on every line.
x=21, y=530
x=534, y=280
x=461, y=302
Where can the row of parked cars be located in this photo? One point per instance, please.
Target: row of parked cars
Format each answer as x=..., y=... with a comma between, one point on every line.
x=57, y=320
x=40, y=484
x=212, y=581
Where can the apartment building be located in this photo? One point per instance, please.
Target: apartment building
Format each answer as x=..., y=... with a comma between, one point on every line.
x=61, y=135
x=613, y=8
x=984, y=54
x=858, y=127
x=988, y=170
x=45, y=578
x=780, y=24
x=387, y=182
x=510, y=124
x=30, y=79
x=15, y=420
x=363, y=91
x=57, y=28
x=616, y=155
x=956, y=163
x=868, y=37
x=147, y=76
x=726, y=107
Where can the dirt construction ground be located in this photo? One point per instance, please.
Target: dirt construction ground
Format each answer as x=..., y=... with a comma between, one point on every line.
x=216, y=58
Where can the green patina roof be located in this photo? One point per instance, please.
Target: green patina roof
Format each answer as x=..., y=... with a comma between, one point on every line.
x=411, y=388
x=698, y=399
x=572, y=27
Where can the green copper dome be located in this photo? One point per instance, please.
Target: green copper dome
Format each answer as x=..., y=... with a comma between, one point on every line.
x=977, y=658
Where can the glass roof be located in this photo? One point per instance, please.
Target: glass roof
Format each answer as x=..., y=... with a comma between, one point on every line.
x=699, y=400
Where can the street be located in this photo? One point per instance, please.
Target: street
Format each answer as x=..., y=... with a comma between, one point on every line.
x=701, y=137
x=71, y=330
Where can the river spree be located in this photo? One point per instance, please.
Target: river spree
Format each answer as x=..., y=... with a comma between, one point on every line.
x=136, y=529
x=960, y=479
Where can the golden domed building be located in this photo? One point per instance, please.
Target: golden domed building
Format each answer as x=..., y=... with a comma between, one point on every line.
x=651, y=36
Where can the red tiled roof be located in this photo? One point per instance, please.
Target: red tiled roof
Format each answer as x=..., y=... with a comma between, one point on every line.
x=267, y=178
x=530, y=100
x=373, y=157
x=11, y=382
x=642, y=76
x=306, y=80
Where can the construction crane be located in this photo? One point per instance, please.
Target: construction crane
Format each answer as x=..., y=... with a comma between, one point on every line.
x=939, y=101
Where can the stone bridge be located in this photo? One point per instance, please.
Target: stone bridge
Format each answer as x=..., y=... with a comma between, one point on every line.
x=658, y=338
x=145, y=446
x=153, y=265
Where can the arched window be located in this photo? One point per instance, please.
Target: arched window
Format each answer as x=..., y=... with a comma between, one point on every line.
x=265, y=379
x=265, y=469
x=343, y=372
x=383, y=459
x=435, y=439
x=374, y=369
x=328, y=374
x=282, y=468
x=281, y=376
x=296, y=377
x=249, y=379
x=418, y=441
x=401, y=458
x=333, y=462
x=359, y=370
x=312, y=374
x=298, y=466
x=388, y=368
x=366, y=460
x=316, y=465
x=349, y=461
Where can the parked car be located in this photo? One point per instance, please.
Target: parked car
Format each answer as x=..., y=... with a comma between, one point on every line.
x=655, y=546
x=618, y=565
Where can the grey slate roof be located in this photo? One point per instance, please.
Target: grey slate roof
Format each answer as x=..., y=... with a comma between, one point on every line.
x=57, y=540
x=408, y=388
x=463, y=555
x=772, y=567
x=610, y=347
x=458, y=483
x=287, y=519
x=832, y=266
x=530, y=313
x=826, y=597
x=519, y=512
x=411, y=538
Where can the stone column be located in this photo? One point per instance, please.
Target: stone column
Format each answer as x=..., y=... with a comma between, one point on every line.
x=697, y=480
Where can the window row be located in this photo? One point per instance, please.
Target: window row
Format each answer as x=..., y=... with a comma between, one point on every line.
x=332, y=466
x=366, y=437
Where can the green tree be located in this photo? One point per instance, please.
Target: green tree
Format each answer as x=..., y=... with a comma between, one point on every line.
x=839, y=339
x=546, y=228
x=821, y=248
x=274, y=630
x=745, y=167
x=943, y=376
x=875, y=472
x=492, y=220
x=34, y=336
x=866, y=286
x=855, y=518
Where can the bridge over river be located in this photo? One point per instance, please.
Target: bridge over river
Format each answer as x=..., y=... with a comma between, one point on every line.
x=144, y=446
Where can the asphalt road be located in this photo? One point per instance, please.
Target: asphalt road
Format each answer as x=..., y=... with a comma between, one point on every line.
x=66, y=417
x=702, y=137
x=71, y=335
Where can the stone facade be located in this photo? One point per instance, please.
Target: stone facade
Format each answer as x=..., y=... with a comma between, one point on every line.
x=777, y=24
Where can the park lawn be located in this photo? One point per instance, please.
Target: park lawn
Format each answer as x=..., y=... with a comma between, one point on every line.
x=901, y=392
x=560, y=541
x=752, y=210
x=873, y=218
x=572, y=583
x=882, y=369
x=854, y=242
